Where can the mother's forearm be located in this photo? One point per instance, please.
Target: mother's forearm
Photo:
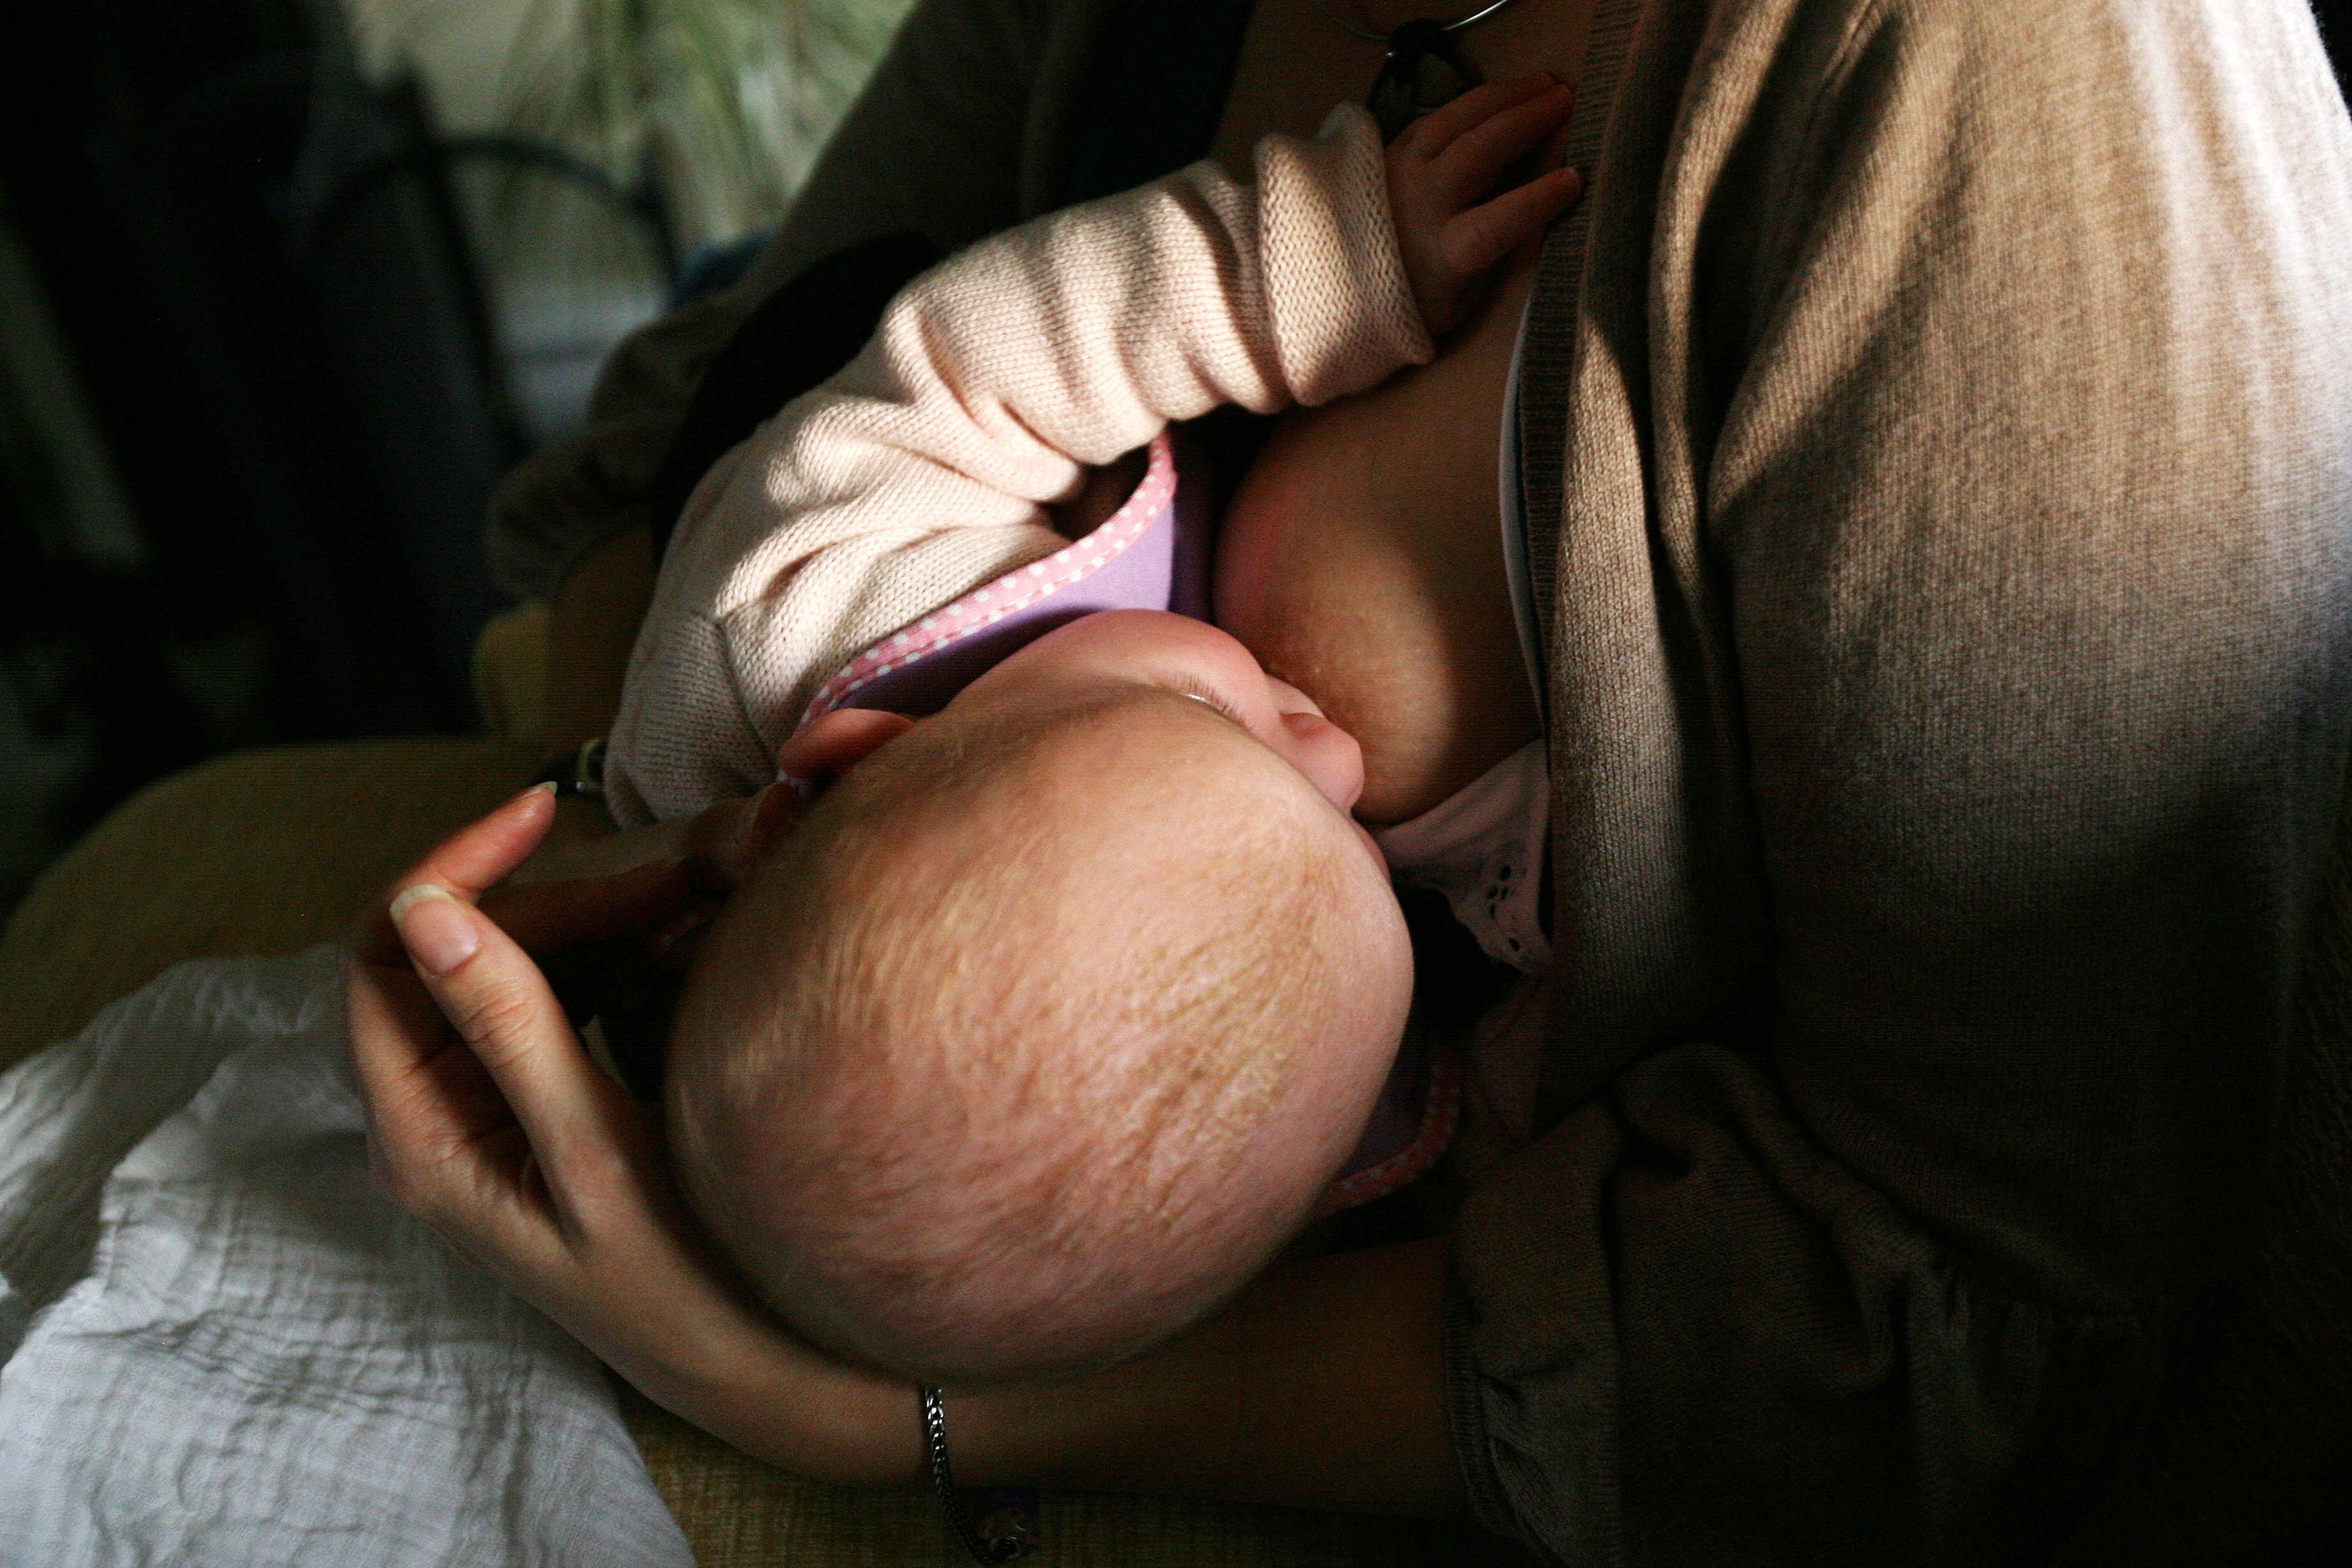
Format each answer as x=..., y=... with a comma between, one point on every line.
x=1321, y=1386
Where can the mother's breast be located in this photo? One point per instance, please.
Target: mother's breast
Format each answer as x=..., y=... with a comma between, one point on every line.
x=1361, y=561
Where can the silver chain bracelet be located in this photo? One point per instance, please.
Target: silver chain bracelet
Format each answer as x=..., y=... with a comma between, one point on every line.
x=1008, y=1531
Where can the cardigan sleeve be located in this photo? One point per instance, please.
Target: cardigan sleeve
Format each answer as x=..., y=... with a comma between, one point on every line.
x=934, y=145
x=925, y=468
x=1951, y=675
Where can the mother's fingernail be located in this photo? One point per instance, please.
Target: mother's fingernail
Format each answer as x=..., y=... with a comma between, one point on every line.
x=434, y=928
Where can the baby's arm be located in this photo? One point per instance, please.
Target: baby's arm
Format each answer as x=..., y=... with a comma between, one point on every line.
x=923, y=471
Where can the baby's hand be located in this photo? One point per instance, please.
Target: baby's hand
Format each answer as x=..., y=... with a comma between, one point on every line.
x=1442, y=172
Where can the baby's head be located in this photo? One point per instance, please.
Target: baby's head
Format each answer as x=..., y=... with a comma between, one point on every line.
x=1055, y=1017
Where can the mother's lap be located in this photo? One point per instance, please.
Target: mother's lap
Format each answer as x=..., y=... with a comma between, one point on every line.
x=273, y=851
x=262, y=852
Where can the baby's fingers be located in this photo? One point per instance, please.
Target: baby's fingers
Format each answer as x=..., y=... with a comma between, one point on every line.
x=1477, y=239
x=1432, y=133
x=1474, y=160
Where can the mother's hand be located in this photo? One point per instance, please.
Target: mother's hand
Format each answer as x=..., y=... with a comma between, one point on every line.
x=487, y=1121
x=1321, y=1385
x=720, y=845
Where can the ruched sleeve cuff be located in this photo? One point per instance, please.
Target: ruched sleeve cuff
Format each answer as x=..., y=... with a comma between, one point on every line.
x=1340, y=305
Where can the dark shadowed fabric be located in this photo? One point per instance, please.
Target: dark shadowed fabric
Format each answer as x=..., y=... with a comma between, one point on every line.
x=1948, y=650
x=2247, y=1465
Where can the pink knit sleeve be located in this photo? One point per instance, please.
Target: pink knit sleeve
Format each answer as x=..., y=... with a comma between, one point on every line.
x=923, y=471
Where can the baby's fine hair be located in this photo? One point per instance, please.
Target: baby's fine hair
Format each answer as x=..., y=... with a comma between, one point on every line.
x=974, y=1097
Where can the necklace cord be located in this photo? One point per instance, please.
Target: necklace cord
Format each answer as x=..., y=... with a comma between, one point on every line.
x=1345, y=26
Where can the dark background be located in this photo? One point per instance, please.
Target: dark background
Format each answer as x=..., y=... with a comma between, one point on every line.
x=281, y=402
x=253, y=404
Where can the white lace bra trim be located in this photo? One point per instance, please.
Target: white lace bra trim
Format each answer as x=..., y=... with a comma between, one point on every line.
x=1483, y=848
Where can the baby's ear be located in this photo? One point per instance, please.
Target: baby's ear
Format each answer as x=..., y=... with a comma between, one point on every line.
x=838, y=741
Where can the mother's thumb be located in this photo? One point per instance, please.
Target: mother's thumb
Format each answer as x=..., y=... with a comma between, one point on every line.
x=498, y=999
x=497, y=1005
x=436, y=929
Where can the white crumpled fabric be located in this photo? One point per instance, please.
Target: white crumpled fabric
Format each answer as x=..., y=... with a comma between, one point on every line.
x=220, y=1344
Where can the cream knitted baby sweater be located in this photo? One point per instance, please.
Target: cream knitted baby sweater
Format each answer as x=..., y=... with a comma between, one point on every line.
x=923, y=471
